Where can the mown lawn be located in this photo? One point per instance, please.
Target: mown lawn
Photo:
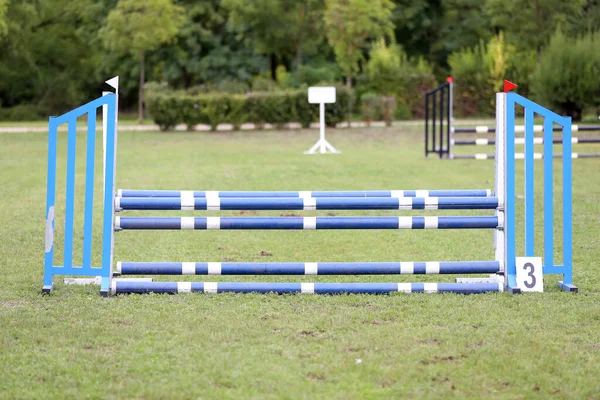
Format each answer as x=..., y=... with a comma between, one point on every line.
x=76, y=344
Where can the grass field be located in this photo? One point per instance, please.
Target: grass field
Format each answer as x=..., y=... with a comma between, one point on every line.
x=76, y=344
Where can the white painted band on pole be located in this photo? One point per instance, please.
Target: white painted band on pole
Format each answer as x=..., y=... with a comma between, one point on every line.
x=405, y=287
x=213, y=222
x=310, y=223
x=432, y=267
x=310, y=203
x=431, y=222
x=214, y=268
x=307, y=287
x=405, y=203
x=187, y=223
x=407, y=268
x=210, y=287
x=188, y=268
x=404, y=223
x=311, y=268
x=213, y=203
x=431, y=203
x=184, y=287
x=187, y=200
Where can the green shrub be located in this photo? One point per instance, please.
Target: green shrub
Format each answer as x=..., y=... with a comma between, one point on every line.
x=304, y=112
x=238, y=111
x=23, y=112
x=567, y=76
x=164, y=109
x=479, y=73
x=277, y=108
x=192, y=110
x=389, y=72
x=377, y=108
x=216, y=109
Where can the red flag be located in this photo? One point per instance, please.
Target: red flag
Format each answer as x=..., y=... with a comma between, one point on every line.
x=508, y=86
x=449, y=79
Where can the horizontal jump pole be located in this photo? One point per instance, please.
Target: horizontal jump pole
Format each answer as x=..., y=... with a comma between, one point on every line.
x=121, y=287
x=268, y=223
x=307, y=268
x=306, y=203
x=303, y=194
x=521, y=156
x=491, y=142
x=521, y=128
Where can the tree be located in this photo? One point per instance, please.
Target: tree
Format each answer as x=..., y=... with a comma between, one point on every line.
x=136, y=27
x=48, y=55
x=349, y=26
x=528, y=24
x=3, y=24
x=417, y=25
x=566, y=79
x=206, y=50
x=279, y=28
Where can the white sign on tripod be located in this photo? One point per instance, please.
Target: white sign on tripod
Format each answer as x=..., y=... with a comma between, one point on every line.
x=321, y=95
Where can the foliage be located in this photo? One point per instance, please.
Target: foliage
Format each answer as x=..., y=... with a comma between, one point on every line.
x=567, y=76
x=3, y=23
x=479, y=73
x=55, y=54
x=377, y=108
x=529, y=24
x=22, y=112
x=389, y=72
x=169, y=108
x=207, y=50
x=280, y=28
x=137, y=26
x=350, y=24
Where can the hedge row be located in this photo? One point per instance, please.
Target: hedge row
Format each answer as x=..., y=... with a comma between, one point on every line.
x=278, y=108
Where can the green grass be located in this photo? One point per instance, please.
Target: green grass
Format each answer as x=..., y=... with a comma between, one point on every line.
x=76, y=344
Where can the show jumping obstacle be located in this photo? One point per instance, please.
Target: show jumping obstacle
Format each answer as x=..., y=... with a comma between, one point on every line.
x=503, y=268
x=440, y=134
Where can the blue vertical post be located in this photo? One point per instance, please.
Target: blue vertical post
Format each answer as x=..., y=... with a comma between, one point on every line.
x=50, y=199
x=107, y=236
x=548, y=196
x=509, y=228
x=70, y=191
x=529, y=184
x=567, y=211
x=89, y=190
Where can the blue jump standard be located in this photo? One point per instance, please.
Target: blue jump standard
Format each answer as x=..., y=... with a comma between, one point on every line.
x=316, y=288
x=308, y=268
x=229, y=223
x=358, y=193
x=321, y=203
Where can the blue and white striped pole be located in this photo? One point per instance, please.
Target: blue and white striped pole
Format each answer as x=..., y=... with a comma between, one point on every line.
x=308, y=268
x=306, y=203
x=309, y=223
x=122, y=287
x=304, y=194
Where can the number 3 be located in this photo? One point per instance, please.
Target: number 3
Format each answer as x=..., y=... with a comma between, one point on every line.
x=530, y=274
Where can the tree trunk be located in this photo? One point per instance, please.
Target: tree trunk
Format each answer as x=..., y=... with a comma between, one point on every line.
x=273, y=59
x=141, y=89
x=349, y=80
x=298, y=58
